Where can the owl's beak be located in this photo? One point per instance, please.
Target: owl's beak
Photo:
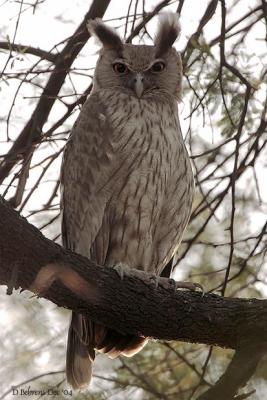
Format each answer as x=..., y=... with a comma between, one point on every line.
x=139, y=84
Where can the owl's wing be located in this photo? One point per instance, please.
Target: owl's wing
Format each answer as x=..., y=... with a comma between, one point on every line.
x=88, y=165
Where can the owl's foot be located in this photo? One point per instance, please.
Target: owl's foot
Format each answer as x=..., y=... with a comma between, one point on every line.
x=122, y=269
x=155, y=280
x=165, y=282
x=192, y=286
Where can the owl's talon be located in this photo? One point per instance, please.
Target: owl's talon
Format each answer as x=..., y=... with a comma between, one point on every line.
x=121, y=269
x=155, y=279
x=189, y=286
x=35, y=296
x=198, y=286
x=173, y=283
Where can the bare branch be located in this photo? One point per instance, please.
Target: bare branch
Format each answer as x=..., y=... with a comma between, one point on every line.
x=20, y=48
x=239, y=371
x=72, y=281
x=32, y=131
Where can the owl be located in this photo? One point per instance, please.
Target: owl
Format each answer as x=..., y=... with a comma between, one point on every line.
x=127, y=183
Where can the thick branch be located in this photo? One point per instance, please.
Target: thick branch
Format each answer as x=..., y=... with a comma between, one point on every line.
x=239, y=371
x=133, y=305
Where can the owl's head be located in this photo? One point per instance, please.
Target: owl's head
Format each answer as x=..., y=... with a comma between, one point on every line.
x=138, y=69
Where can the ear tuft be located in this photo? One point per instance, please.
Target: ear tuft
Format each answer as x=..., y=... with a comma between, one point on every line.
x=107, y=35
x=168, y=31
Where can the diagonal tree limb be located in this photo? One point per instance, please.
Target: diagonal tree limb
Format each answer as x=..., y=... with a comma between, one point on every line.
x=22, y=179
x=133, y=305
x=32, y=131
x=210, y=10
x=239, y=371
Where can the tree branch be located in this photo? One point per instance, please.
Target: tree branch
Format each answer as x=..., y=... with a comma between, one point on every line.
x=191, y=44
x=133, y=305
x=20, y=48
x=239, y=371
x=146, y=19
x=32, y=131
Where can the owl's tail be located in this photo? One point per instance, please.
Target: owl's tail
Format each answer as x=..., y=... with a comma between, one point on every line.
x=115, y=344
x=79, y=359
x=84, y=338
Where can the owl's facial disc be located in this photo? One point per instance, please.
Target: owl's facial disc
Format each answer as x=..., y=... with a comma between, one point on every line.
x=140, y=81
x=138, y=78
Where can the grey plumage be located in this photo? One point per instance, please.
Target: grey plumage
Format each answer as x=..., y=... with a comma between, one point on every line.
x=108, y=36
x=168, y=31
x=127, y=183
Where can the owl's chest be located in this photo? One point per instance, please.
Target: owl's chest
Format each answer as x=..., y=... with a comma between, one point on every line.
x=145, y=132
x=148, y=149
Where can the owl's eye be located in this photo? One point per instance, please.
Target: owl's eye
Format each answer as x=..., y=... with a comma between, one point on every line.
x=120, y=68
x=158, y=66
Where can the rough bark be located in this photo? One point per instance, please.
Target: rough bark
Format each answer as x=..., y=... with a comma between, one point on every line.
x=29, y=260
